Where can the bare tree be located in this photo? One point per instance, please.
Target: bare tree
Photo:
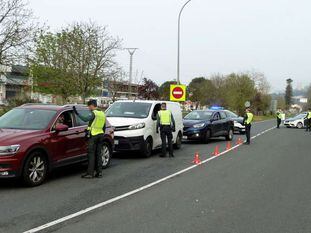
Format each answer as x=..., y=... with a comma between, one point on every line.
x=91, y=52
x=17, y=29
x=74, y=61
x=261, y=83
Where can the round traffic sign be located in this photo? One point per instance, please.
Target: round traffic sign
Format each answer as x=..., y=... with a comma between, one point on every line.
x=177, y=92
x=247, y=104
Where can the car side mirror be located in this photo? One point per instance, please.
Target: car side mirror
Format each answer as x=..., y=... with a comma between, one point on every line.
x=61, y=128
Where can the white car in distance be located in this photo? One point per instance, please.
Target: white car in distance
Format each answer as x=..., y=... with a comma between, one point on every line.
x=296, y=121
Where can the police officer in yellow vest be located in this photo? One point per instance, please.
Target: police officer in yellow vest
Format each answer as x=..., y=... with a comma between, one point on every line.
x=278, y=118
x=248, y=119
x=94, y=134
x=166, y=123
x=308, y=120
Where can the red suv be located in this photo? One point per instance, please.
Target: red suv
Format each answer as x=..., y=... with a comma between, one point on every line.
x=35, y=138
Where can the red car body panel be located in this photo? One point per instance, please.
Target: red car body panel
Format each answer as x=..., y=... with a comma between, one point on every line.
x=62, y=148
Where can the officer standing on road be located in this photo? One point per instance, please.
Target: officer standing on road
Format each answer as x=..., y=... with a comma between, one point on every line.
x=94, y=134
x=278, y=118
x=248, y=118
x=166, y=123
x=308, y=120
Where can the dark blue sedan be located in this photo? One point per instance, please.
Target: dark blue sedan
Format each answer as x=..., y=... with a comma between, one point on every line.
x=205, y=124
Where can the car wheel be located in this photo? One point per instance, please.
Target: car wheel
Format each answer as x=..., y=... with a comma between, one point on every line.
x=147, y=148
x=106, y=155
x=229, y=136
x=35, y=169
x=299, y=125
x=177, y=145
x=207, y=136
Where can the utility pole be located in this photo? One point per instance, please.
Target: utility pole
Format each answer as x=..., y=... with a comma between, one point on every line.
x=131, y=52
x=178, y=41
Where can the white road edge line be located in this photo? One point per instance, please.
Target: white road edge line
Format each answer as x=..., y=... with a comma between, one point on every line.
x=99, y=205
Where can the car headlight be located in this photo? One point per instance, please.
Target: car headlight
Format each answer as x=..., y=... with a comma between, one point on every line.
x=137, y=126
x=199, y=125
x=9, y=150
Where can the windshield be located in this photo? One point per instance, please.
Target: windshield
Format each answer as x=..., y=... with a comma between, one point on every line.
x=129, y=110
x=232, y=115
x=300, y=116
x=199, y=115
x=26, y=119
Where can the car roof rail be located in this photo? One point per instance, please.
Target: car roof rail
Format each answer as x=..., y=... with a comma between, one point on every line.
x=29, y=104
x=77, y=105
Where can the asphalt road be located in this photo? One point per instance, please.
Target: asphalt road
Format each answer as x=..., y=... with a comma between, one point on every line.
x=264, y=187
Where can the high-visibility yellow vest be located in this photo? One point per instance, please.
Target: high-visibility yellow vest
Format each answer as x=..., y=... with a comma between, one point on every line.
x=279, y=115
x=309, y=115
x=250, y=117
x=97, y=126
x=165, y=117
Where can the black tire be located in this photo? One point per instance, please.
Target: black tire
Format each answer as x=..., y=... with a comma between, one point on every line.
x=35, y=169
x=106, y=154
x=229, y=136
x=178, y=142
x=206, y=137
x=299, y=125
x=147, y=148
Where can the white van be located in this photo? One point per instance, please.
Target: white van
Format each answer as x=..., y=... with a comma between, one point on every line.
x=135, y=125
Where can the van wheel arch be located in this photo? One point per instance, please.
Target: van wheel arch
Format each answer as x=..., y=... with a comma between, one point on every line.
x=147, y=147
x=177, y=144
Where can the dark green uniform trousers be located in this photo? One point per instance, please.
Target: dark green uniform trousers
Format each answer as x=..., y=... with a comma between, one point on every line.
x=94, y=154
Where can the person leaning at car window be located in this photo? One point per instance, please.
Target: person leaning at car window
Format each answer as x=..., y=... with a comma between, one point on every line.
x=166, y=123
x=94, y=133
x=308, y=120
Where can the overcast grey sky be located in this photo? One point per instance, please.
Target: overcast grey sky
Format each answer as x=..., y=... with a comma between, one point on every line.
x=223, y=36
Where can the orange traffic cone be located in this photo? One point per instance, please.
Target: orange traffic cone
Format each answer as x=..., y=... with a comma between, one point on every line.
x=196, y=159
x=216, y=151
x=228, y=147
x=240, y=141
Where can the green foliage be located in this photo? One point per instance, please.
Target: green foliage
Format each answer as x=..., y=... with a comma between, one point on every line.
x=288, y=93
x=73, y=61
x=201, y=90
x=232, y=91
x=309, y=97
x=238, y=90
x=164, y=90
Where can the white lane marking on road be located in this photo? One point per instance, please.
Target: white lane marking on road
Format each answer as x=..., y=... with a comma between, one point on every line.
x=99, y=205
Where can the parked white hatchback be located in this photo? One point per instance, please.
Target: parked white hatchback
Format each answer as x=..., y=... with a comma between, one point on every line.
x=135, y=122
x=297, y=121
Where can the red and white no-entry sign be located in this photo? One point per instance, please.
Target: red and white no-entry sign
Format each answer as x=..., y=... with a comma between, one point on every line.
x=177, y=92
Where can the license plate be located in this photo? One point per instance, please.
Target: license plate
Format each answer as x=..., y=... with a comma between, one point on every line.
x=116, y=142
x=185, y=137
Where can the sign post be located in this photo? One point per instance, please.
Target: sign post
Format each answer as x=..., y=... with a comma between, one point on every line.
x=178, y=93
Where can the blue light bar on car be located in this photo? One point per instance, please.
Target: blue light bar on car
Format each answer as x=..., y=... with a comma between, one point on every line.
x=216, y=108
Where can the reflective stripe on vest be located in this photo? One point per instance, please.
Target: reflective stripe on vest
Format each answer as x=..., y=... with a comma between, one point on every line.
x=165, y=117
x=309, y=115
x=250, y=117
x=98, y=124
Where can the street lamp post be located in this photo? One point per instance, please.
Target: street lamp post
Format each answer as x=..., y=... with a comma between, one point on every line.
x=131, y=52
x=178, y=41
